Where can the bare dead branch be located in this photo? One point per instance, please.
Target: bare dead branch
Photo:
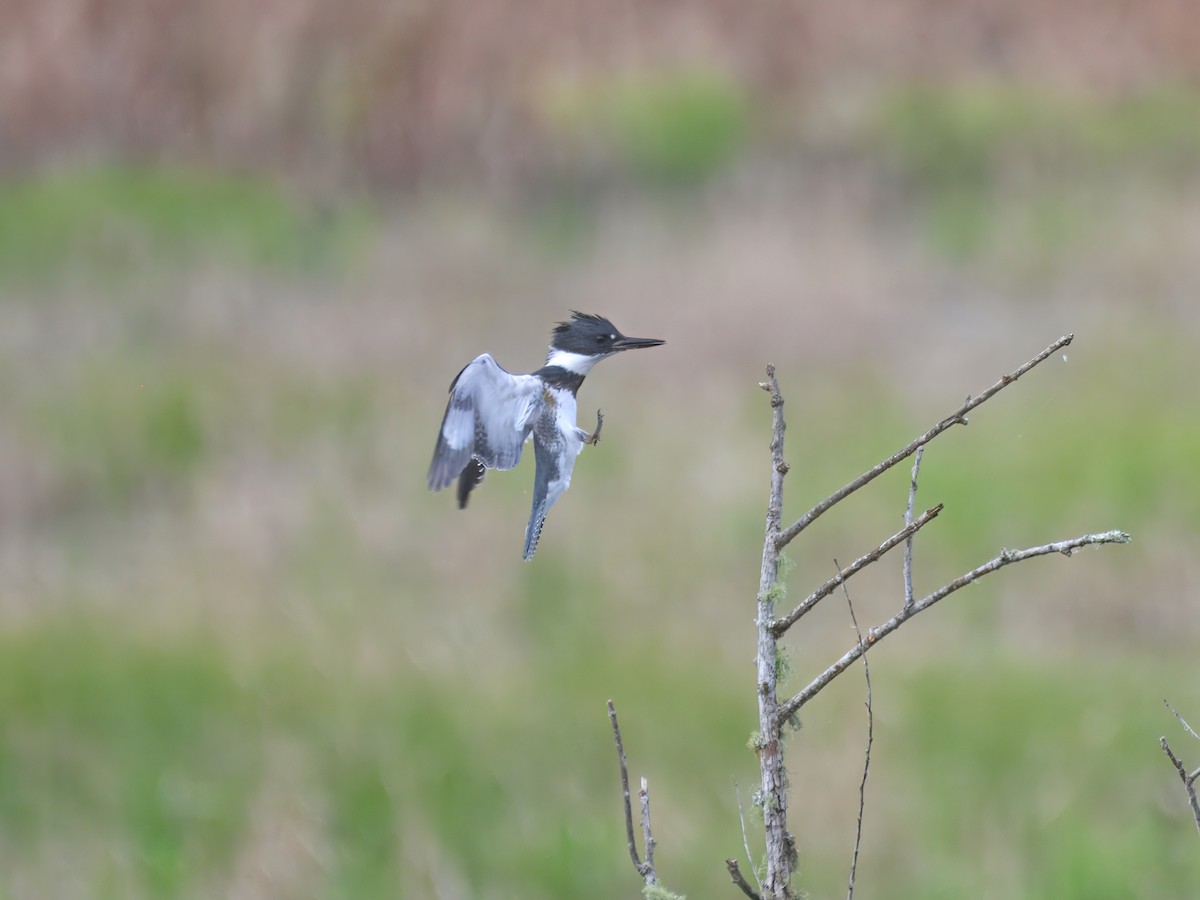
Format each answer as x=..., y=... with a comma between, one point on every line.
x=644, y=869
x=878, y=633
x=736, y=874
x=862, y=785
x=908, y=542
x=772, y=794
x=958, y=417
x=779, y=626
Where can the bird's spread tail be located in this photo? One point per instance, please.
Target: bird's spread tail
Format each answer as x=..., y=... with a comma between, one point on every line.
x=533, y=531
x=469, y=479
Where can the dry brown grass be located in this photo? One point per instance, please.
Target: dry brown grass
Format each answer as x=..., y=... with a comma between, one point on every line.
x=399, y=94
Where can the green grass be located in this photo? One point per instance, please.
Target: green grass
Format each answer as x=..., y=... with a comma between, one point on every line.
x=960, y=135
x=1040, y=780
x=153, y=748
x=106, y=223
x=124, y=741
x=1040, y=758
x=161, y=747
x=124, y=425
x=144, y=418
x=674, y=128
x=996, y=163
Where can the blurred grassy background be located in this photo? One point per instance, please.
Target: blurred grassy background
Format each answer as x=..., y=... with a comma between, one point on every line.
x=243, y=250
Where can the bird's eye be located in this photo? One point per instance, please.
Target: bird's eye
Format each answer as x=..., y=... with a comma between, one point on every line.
x=601, y=339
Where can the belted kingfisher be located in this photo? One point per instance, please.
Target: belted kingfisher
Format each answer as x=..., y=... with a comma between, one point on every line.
x=492, y=413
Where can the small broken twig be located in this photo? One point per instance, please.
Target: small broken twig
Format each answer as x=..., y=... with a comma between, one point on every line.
x=647, y=832
x=908, y=542
x=736, y=874
x=1188, y=779
x=862, y=785
x=645, y=869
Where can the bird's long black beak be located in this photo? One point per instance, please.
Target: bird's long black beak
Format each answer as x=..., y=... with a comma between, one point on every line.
x=629, y=343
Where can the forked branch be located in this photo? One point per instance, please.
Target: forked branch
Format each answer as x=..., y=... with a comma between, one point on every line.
x=779, y=626
x=768, y=742
x=878, y=633
x=645, y=869
x=1188, y=778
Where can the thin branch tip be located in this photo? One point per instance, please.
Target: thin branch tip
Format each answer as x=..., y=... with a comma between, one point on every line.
x=958, y=417
x=1182, y=721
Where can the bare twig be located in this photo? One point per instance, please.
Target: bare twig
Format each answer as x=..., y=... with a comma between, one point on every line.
x=645, y=869
x=779, y=626
x=908, y=542
x=1006, y=557
x=958, y=417
x=745, y=841
x=862, y=785
x=736, y=874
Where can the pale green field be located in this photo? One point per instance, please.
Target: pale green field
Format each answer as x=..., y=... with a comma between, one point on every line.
x=244, y=652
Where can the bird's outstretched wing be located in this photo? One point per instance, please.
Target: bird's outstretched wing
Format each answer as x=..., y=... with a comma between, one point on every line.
x=550, y=480
x=488, y=418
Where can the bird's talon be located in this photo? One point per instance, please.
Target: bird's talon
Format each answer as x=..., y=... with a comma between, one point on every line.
x=594, y=437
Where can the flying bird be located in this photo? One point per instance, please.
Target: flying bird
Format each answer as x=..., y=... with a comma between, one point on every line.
x=492, y=413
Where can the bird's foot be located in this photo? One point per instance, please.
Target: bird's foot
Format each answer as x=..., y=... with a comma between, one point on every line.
x=594, y=437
